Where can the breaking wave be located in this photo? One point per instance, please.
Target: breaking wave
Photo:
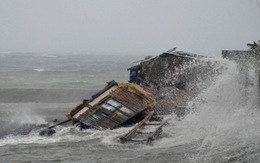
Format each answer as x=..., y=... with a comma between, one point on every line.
x=19, y=122
x=39, y=70
x=49, y=56
x=65, y=134
x=55, y=95
x=224, y=127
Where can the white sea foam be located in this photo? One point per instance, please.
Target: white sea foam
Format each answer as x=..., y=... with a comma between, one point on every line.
x=49, y=56
x=226, y=119
x=66, y=134
x=39, y=69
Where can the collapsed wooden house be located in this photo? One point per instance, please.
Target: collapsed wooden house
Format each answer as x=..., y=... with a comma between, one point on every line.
x=116, y=105
x=169, y=79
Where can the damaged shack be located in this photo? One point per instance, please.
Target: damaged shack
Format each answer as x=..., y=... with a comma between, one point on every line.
x=158, y=86
x=175, y=77
x=117, y=104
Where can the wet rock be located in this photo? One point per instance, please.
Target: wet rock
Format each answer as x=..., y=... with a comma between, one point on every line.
x=47, y=132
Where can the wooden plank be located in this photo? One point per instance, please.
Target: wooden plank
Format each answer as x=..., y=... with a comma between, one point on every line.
x=82, y=111
x=153, y=123
x=96, y=101
x=156, y=133
x=128, y=99
x=103, y=95
x=134, y=130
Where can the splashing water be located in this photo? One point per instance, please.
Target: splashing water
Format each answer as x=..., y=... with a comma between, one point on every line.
x=19, y=119
x=225, y=125
x=28, y=119
x=66, y=134
x=222, y=128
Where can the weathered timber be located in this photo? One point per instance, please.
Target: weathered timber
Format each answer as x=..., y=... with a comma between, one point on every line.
x=130, y=134
x=155, y=134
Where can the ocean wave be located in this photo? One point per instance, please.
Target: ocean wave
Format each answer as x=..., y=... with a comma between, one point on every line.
x=39, y=69
x=225, y=125
x=49, y=56
x=65, y=134
x=21, y=125
x=21, y=95
x=5, y=52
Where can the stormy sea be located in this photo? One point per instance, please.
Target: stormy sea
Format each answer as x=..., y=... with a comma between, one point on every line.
x=36, y=89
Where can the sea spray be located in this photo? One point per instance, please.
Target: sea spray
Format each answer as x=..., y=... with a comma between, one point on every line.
x=67, y=134
x=19, y=119
x=224, y=127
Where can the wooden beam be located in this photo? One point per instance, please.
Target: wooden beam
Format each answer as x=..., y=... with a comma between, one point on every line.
x=155, y=134
x=127, y=137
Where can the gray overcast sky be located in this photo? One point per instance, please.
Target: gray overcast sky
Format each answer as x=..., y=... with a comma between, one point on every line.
x=127, y=26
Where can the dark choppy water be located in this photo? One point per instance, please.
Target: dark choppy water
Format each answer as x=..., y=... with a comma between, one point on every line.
x=36, y=89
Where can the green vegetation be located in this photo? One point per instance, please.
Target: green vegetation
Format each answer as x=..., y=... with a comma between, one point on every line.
x=254, y=58
x=254, y=48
